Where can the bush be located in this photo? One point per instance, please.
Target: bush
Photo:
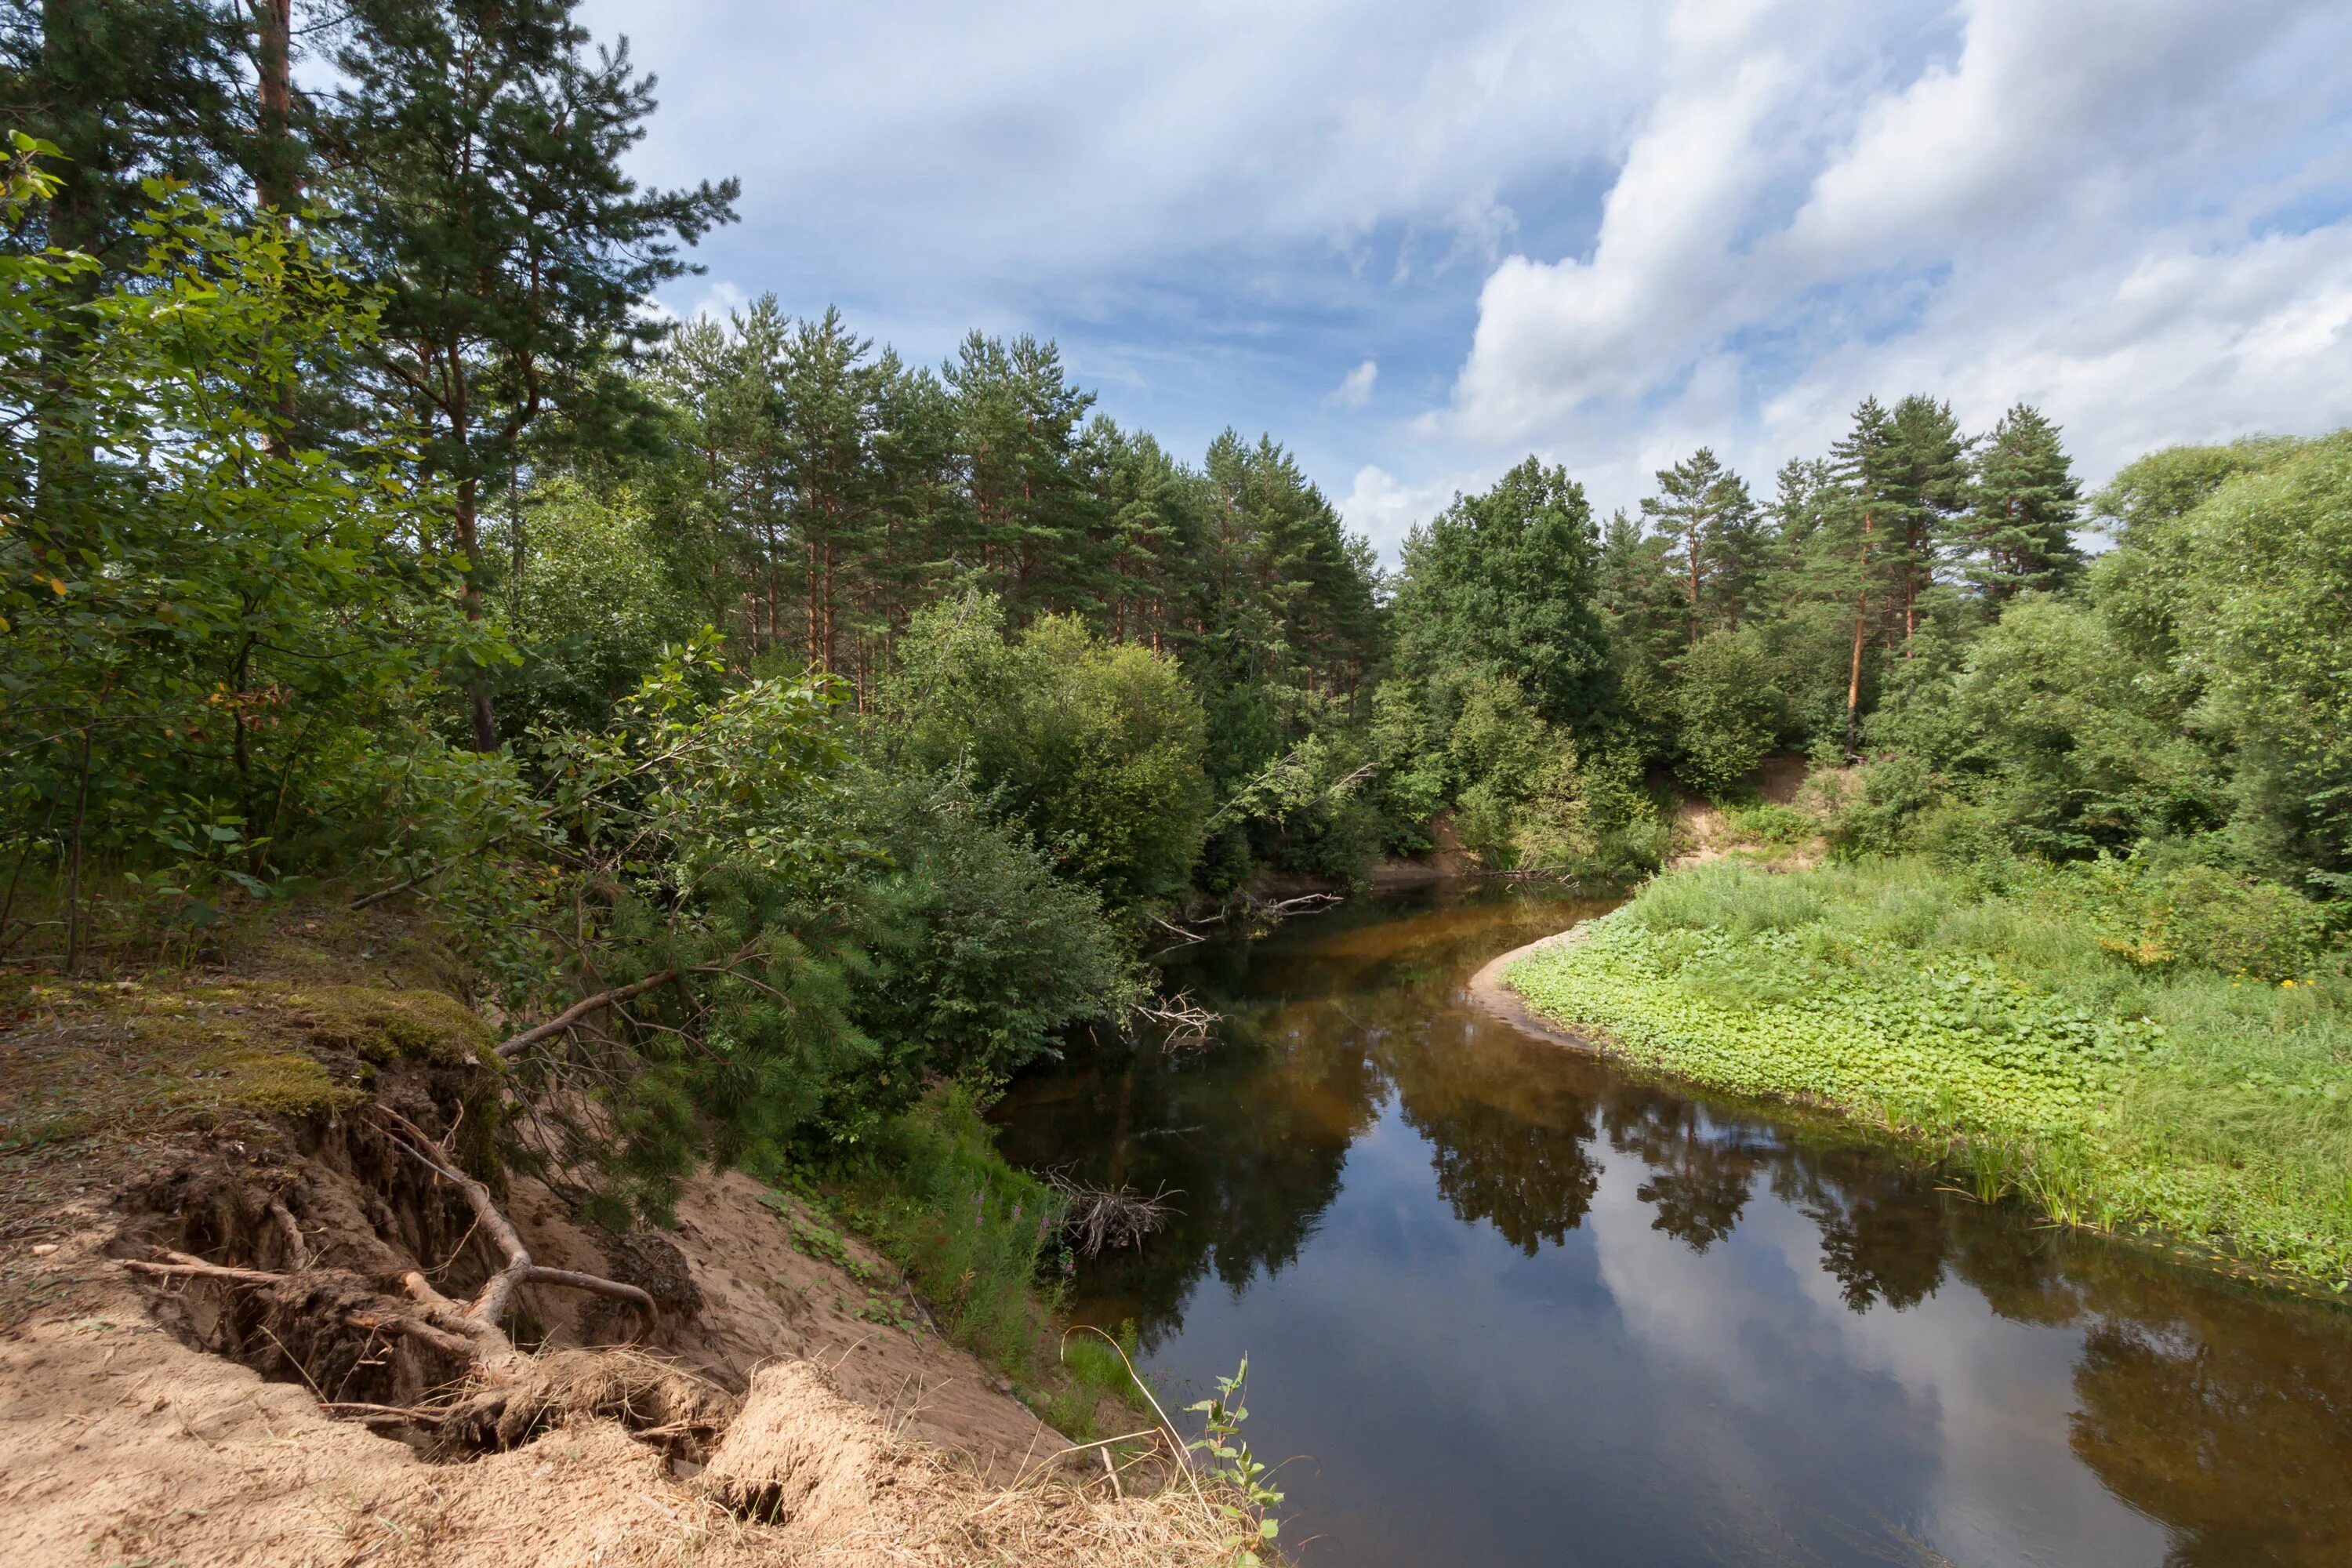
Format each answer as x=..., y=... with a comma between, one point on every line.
x=1727, y=711
x=975, y=953
x=593, y=609
x=933, y=1194
x=1095, y=748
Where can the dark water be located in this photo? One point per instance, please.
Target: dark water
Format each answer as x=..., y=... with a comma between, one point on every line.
x=1507, y=1305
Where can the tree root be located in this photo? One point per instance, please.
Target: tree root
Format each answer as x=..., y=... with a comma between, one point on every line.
x=468, y=1331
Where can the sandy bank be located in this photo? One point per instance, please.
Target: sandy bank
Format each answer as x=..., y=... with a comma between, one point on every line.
x=1488, y=992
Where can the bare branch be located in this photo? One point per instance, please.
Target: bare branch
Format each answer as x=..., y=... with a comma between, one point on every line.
x=1095, y=1217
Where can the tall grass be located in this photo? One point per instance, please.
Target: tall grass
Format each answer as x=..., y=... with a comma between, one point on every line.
x=2125, y=1046
x=934, y=1196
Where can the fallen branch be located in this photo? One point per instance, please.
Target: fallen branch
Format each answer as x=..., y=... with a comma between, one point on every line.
x=515, y=1045
x=1096, y=1218
x=1189, y=1025
x=1283, y=908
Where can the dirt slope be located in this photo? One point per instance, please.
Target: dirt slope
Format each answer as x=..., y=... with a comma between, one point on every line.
x=152, y=1419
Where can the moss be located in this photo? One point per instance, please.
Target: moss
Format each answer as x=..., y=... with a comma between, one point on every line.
x=385, y=1026
x=148, y=1052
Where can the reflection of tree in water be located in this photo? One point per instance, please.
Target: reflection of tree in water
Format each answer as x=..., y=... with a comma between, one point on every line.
x=1884, y=1236
x=1255, y=1131
x=1700, y=1169
x=1508, y=1129
x=2229, y=1419
x=1252, y=1136
x=2223, y=1412
x=2225, y=1416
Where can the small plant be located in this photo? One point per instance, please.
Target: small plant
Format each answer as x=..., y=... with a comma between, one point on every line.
x=888, y=1311
x=1231, y=1464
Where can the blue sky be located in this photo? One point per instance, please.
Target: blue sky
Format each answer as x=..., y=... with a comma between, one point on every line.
x=1417, y=242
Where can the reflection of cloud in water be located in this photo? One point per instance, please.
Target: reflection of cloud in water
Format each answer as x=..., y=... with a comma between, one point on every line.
x=1510, y=1297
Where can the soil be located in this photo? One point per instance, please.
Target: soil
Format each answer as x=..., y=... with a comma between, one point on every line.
x=766, y=1417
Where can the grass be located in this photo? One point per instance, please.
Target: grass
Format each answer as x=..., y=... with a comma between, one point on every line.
x=979, y=1241
x=2126, y=1048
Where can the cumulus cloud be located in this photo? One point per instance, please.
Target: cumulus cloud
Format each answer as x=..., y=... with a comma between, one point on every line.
x=1604, y=234
x=1382, y=509
x=1355, y=388
x=2135, y=217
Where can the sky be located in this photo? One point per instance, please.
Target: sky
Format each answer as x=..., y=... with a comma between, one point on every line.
x=1416, y=243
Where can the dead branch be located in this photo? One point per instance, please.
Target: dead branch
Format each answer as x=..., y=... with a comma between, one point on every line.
x=1283, y=908
x=515, y=1045
x=1178, y=932
x=180, y=1266
x=1189, y=1025
x=1095, y=1217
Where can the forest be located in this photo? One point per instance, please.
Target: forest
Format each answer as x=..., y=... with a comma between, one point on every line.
x=364, y=528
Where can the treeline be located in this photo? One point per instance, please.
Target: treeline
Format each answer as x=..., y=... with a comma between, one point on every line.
x=833, y=726
x=365, y=529
x=1915, y=613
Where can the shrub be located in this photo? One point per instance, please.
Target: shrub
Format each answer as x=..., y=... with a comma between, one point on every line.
x=1727, y=711
x=975, y=953
x=1095, y=748
x=933, y=1194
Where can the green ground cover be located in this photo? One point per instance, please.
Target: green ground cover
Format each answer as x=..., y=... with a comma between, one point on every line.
x=2066, y=1034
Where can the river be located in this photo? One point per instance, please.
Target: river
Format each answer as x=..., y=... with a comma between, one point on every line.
x=1506, y=1303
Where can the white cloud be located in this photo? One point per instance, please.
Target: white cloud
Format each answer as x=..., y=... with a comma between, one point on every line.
x=1609, y=234
x=1043, y=140
x=1384, y=509
x=1355, y=388
x=2088, y=207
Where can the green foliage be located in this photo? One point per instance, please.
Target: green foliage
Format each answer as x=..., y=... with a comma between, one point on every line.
x=2267, y=627
x=2064, y=1031
x=1727, y=710
x=1236, y=1469
x=203, y=625
x=933, y=1194
x=976, y=953
x=1094, y=747
x=1502, y=584
x=590, y=609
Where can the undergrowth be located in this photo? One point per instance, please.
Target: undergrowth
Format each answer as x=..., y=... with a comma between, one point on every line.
x=2069, y=1034
x=979, y=1242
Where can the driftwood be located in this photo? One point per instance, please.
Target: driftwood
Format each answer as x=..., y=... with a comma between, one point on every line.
x=1096, y=1218
x=1189, y=1025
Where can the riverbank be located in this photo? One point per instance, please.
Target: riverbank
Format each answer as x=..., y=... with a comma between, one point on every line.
x=228, y=1274
x=2023, y=1031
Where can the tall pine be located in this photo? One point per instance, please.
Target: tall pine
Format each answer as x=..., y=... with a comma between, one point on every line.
x=478, y=145
x=2026, y=503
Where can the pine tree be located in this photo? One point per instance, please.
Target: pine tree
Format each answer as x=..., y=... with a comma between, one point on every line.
x=827, y=386
x=1928, y=494
x=2026, y=502
x=125, y=90
x=1703, y=509
x=1017, y=427
x=477, y=147
x=1845, y=550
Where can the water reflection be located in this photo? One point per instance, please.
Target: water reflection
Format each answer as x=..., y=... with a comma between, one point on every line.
x=1516, y=1306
